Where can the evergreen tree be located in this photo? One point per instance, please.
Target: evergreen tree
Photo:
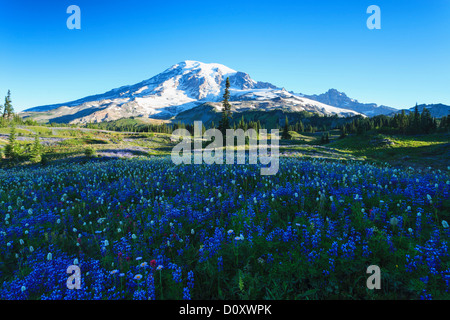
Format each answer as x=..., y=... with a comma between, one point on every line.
x=241, y=124
x=325, y=138
x=36, y=151
x=301, y=127
x=403, y=122
x=427, y=124
x=285, y=135
x=416, y=120
x=224, y=123
x=8, y=108
x=11, y=147
x=343, y=132
x=360, y=127
x=444, y=123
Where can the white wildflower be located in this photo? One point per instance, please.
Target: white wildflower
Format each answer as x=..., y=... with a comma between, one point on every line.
x=394, y=221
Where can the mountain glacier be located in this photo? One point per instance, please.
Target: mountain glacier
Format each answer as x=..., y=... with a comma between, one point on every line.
x=181, y=87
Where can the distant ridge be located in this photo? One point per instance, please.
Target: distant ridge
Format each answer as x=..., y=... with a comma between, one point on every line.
x=438, y=110
x=339, y=99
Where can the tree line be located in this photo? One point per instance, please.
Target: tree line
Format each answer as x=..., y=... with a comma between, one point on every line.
x=401, y=123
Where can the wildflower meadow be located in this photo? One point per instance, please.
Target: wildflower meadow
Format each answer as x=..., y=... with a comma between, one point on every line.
x=145, y=228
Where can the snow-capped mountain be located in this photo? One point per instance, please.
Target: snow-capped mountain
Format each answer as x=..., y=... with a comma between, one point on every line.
x=181, y=87
x=340, y=100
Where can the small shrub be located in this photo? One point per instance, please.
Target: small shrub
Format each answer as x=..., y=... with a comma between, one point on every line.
x=90, y=152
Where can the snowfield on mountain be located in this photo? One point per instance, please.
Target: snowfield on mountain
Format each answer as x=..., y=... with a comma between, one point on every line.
x=181, y=87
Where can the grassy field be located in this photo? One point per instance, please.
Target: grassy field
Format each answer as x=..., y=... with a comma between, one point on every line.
x=416, y=151
x=60, y=143
x=141, y=227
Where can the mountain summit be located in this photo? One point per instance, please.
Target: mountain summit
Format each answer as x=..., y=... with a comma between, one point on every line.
x=339, y=99
x=181, y=87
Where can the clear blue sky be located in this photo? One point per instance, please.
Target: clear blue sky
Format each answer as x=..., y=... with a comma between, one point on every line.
x=304, y=46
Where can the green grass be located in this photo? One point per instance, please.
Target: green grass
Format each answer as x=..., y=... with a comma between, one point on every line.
x=306, y=138
x=430, y=150
x=423, y=150
x=358, y=143
x=18, y=131
x=42, y=131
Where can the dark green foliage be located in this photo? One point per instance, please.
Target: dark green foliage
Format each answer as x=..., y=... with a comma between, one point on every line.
x=285, y=135
x=11, y=147
x=299, y=122
x=343, y=132
x=416, y=118
x=9, y=117
x=8, y=108
x=325, y=138
x=224, y=123
x=123, y=125
x=444, y=124
x=242, y=125
x=89, y=152
x=36, y=151
x=310, y=129
x=427, y=123
x=401, y=123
